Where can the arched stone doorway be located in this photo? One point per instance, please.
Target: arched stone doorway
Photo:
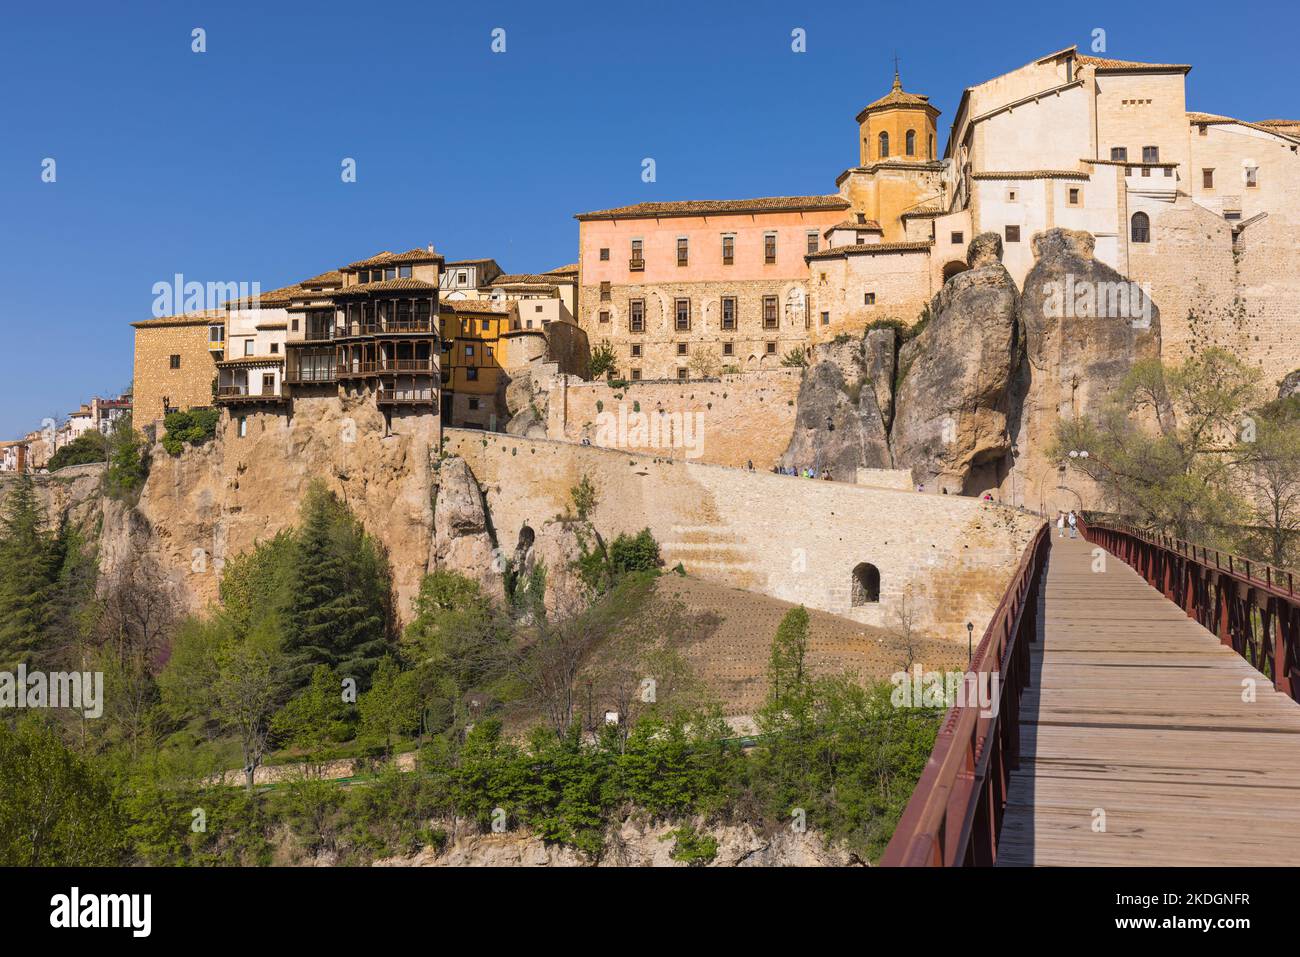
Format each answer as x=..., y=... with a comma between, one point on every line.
x=866, y=584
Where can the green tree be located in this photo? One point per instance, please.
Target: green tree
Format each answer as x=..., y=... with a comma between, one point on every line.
x=128, y=462
x=56, y=810
x=28, y=573
x=339, y=608
x=84, y=449
x=604, y=361
x=256, y=585
x=634, y=553
x=787, y=676
x=315, y=717
x=585, y=497
x=391, y=707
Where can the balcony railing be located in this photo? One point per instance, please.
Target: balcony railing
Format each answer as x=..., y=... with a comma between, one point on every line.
x=310, y=375
x=405, y=396
x=230, y=392
x=391, y=326
x=346, y=370
x=636, y=265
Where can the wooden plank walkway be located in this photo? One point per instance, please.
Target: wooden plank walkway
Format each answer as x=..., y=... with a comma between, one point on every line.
x=1134, y=710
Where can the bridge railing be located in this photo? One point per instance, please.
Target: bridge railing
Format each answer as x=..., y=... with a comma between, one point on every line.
x=955, y=813
x=1254, y=608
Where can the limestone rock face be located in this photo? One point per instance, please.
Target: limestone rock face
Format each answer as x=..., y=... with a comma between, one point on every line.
x=462, y=541
x=954, y=399
x=881, y=351
x=631, y=844
x=526, y=404
x=225, y=496
x=1086, y=325
x=558, y=545
x=840, y=385
x=1290, y=385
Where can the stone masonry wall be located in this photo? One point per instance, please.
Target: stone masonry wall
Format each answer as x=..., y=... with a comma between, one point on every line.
x=794, y=539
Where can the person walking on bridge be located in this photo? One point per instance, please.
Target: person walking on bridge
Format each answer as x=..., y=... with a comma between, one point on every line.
x=1060, y=524
x=1073, y=523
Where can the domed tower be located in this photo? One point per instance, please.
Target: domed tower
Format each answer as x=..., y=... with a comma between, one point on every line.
x=897, y=128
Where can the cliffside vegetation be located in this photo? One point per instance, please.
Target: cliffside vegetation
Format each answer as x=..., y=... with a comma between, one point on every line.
x=1194, y=451
x=493, y=707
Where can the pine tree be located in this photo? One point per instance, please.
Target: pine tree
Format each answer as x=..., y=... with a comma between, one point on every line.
x=339, y=606
x=28, y=571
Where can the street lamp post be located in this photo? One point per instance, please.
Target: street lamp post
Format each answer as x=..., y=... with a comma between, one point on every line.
x=970, y=643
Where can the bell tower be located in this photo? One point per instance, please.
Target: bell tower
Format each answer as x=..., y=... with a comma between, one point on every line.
x=897, y=128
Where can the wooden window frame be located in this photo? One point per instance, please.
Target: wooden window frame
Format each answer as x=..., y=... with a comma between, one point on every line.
x=677, y=315
x=774, y=320
x=635, y=322
x=723, y=321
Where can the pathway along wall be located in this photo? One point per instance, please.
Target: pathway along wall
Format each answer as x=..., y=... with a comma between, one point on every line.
x=842, y=548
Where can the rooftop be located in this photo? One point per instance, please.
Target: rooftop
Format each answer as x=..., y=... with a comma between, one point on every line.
x=706, y=207
x=387, y=258
x=897, y=97
x=1107, y=65
x=869, y=249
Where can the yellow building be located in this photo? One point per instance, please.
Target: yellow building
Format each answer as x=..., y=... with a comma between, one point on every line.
x=472, y=382
x=174, y=363
x=899, y=176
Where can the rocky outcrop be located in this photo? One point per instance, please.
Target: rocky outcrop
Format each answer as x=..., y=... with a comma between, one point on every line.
x=221, y=498
x=1086, y=326
x=526, y=399
x=462, y=538
x=880, y=348
x=954, y=398
x=839, y=423
x=1290, y=385
x=631, y=844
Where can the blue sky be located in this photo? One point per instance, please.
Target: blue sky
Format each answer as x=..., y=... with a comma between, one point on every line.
x=225, y=165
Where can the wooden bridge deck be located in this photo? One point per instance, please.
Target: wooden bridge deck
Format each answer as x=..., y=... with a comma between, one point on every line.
x=1135, y=711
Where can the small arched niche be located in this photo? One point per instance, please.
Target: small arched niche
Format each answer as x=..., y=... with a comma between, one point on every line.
x=866, y=584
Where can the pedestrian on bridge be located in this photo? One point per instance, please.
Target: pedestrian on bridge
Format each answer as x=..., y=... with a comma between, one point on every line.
x=1060, y=524
x=1074, y=533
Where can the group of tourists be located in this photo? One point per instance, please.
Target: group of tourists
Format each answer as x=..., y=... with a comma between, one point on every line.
x=810, y=473
x=1067, y=520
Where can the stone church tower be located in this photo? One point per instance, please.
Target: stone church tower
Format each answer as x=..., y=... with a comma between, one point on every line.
x=897, y=173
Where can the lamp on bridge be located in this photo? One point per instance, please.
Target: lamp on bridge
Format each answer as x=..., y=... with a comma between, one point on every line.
x=970, y=643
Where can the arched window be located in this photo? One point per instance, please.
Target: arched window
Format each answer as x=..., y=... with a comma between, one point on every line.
x=1141, y=228
x=930, y=155
x=911, y=142
x=884, y=146
x=866, y=584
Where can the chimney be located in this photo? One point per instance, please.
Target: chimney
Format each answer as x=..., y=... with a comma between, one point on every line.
x=431, y=249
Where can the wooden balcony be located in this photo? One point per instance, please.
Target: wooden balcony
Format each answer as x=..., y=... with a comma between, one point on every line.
x=231, y=394
x=315, y=376
x=363, y=369
x=406, y=396
x=399, y=327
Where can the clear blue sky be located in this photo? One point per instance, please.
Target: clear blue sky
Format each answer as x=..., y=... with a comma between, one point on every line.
x=225, y=165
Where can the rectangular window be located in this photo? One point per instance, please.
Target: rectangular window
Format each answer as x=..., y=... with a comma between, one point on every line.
x=681, y=349
x=769, y=248
x=636, y=315
x=681, y=373
x=770, y=317
x=390, y=272
x=174, y=362
x=728, y=250
x=469, y=352
x=471, y=374
x=248, y=347
x=728, y=348
x=1013, y=234
x=604, y=292
x=728, y=312
x=771, y=348
x=683, y=249
x=812, y=241
x=1119, y=154
x=637, y=262
x=868, y=298
x=826, y=318
x=604, y=254
x=275, y=348
x=1073, y=195
x=1252, y=176
x=404, y=272
x=604, y=315
x=636, y=375
x=473, y=404
x=1146, y=171
x=683, y=315
x=958, y=239
x=268, y=383
x=243, y=426
x=1207, y=178
x=1151, y=154
x=293, y=325
x=636, y=350
x=461, y=278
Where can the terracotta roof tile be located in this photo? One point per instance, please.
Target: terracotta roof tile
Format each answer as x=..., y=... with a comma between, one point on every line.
x=869, y=249
x=387, y=258
x=1107, y=65
x=385, y=285
x=706, y=207
x=185, y=319
x=897, y=96
x=1030, y=174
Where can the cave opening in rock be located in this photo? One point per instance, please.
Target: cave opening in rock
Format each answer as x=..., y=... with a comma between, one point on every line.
x=953, y=268
x=866, y=584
